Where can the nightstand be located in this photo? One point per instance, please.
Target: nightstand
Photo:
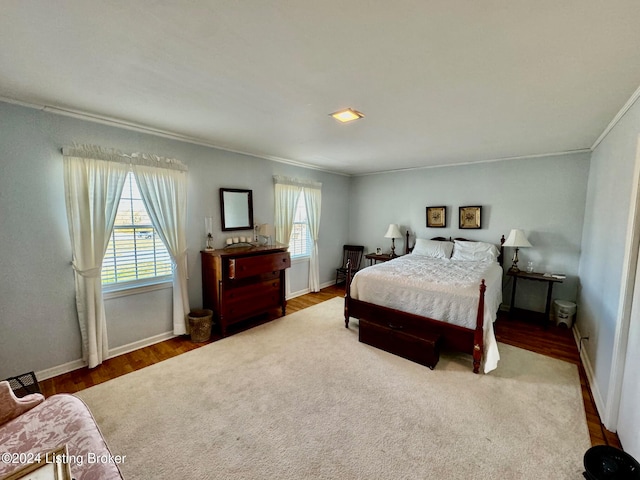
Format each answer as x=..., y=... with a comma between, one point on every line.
x=375, y=258
x=539, y=277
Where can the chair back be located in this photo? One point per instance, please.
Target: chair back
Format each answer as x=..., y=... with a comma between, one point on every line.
x=354, y=254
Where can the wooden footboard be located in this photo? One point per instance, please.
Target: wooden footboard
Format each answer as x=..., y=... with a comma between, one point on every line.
x=454, y=337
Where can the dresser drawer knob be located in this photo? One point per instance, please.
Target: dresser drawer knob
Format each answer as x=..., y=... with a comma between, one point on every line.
x=393, y=326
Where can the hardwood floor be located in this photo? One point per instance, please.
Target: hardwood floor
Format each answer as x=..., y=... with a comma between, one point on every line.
x=520, y=332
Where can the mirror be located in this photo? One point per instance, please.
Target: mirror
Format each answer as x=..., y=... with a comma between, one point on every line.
x=236, y=208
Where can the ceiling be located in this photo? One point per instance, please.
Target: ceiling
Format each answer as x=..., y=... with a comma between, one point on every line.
x=440, y=81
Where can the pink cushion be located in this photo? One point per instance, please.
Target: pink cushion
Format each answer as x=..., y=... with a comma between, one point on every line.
x=60, y=419
x=12, y=406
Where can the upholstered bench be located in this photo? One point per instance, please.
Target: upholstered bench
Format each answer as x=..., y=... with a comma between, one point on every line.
x=33, y=425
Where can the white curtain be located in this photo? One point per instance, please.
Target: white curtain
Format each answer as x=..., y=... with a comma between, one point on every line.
x=313, y=200
x=93, y=179
x=287, y=193
x=286, y=200
x=92, y=193
x=164, y=193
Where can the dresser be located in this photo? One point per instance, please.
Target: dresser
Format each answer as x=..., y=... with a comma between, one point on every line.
x=243, y=282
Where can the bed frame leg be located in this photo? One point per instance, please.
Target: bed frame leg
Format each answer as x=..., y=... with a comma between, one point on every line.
x=478, y=336
x=347, y=294
x=346, y=312
x=477, y=357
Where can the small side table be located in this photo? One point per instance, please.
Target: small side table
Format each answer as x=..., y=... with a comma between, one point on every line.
x=539, y=277
x=375, y=258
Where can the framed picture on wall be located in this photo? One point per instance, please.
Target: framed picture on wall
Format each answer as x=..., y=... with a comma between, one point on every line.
x=436, y=217
x=470, y=217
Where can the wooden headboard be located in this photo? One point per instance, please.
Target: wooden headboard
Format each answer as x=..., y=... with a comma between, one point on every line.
x=408, y=249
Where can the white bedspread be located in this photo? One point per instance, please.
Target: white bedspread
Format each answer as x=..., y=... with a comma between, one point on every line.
x=436, y=288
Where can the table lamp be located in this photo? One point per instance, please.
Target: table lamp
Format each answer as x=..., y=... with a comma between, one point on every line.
x=265, y=231
x=517, y=239
x=393, y=232
x=208, y=227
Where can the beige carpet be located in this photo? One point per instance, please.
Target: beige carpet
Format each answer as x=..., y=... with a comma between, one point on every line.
x=301, y=398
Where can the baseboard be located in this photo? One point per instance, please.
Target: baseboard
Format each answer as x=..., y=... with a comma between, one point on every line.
x=115, y=352
x=299, y=293
x=60, y=369
x=586, y=363
x=145, y=342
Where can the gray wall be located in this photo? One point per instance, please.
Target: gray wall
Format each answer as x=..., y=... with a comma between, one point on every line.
x=38, y=322
x=543, y=196
x=605, y=242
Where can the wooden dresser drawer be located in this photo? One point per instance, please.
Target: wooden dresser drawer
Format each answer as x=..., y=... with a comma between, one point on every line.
x=244, y=267
x=242, y=308
x=424, y=350
x=241, y=283
x=408, y=326
x=248, y=292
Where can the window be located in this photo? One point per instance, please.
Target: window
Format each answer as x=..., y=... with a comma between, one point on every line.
x=135, y=251
x=300, y=241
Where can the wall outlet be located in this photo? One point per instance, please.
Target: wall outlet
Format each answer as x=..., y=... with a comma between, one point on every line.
x=584, y=338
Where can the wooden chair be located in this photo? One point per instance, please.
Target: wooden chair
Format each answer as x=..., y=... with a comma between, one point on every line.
x=351, y=253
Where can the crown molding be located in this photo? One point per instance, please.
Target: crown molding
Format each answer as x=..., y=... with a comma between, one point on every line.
x=115, y=122
x=625, y=108
x=489, y=160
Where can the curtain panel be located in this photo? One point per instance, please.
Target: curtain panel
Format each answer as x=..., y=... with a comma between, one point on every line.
x=313, y=200
x=285, y=203
x=287, y=192
x=164, y=193
x=92, y=193
x=93, y=179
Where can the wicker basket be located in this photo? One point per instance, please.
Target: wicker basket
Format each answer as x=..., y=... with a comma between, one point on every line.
x=200, y=325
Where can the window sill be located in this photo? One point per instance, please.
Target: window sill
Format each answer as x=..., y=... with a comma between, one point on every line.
x=304, y=259
x=138, y=288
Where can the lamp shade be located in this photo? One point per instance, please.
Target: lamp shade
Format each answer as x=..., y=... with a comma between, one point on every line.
x=208, y=225
x=516, y=238
x=393, y=231
x=265, y=229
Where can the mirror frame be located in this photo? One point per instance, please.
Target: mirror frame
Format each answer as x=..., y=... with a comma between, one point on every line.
x=225, y=215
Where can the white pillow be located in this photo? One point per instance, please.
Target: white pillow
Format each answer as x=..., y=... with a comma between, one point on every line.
x=432, y=248
x=475, y=251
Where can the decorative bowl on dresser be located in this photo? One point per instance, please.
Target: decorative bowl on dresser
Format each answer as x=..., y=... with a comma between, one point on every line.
x=240, y=283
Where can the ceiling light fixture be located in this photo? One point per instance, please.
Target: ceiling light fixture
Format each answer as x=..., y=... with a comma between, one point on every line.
x=347, y=115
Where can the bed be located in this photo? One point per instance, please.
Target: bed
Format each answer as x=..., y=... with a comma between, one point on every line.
x=451, y=293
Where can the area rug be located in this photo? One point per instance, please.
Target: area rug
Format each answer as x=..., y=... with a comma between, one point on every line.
x=301, y=398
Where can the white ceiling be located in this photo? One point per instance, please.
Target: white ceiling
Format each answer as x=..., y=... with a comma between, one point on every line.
x=440, y=81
